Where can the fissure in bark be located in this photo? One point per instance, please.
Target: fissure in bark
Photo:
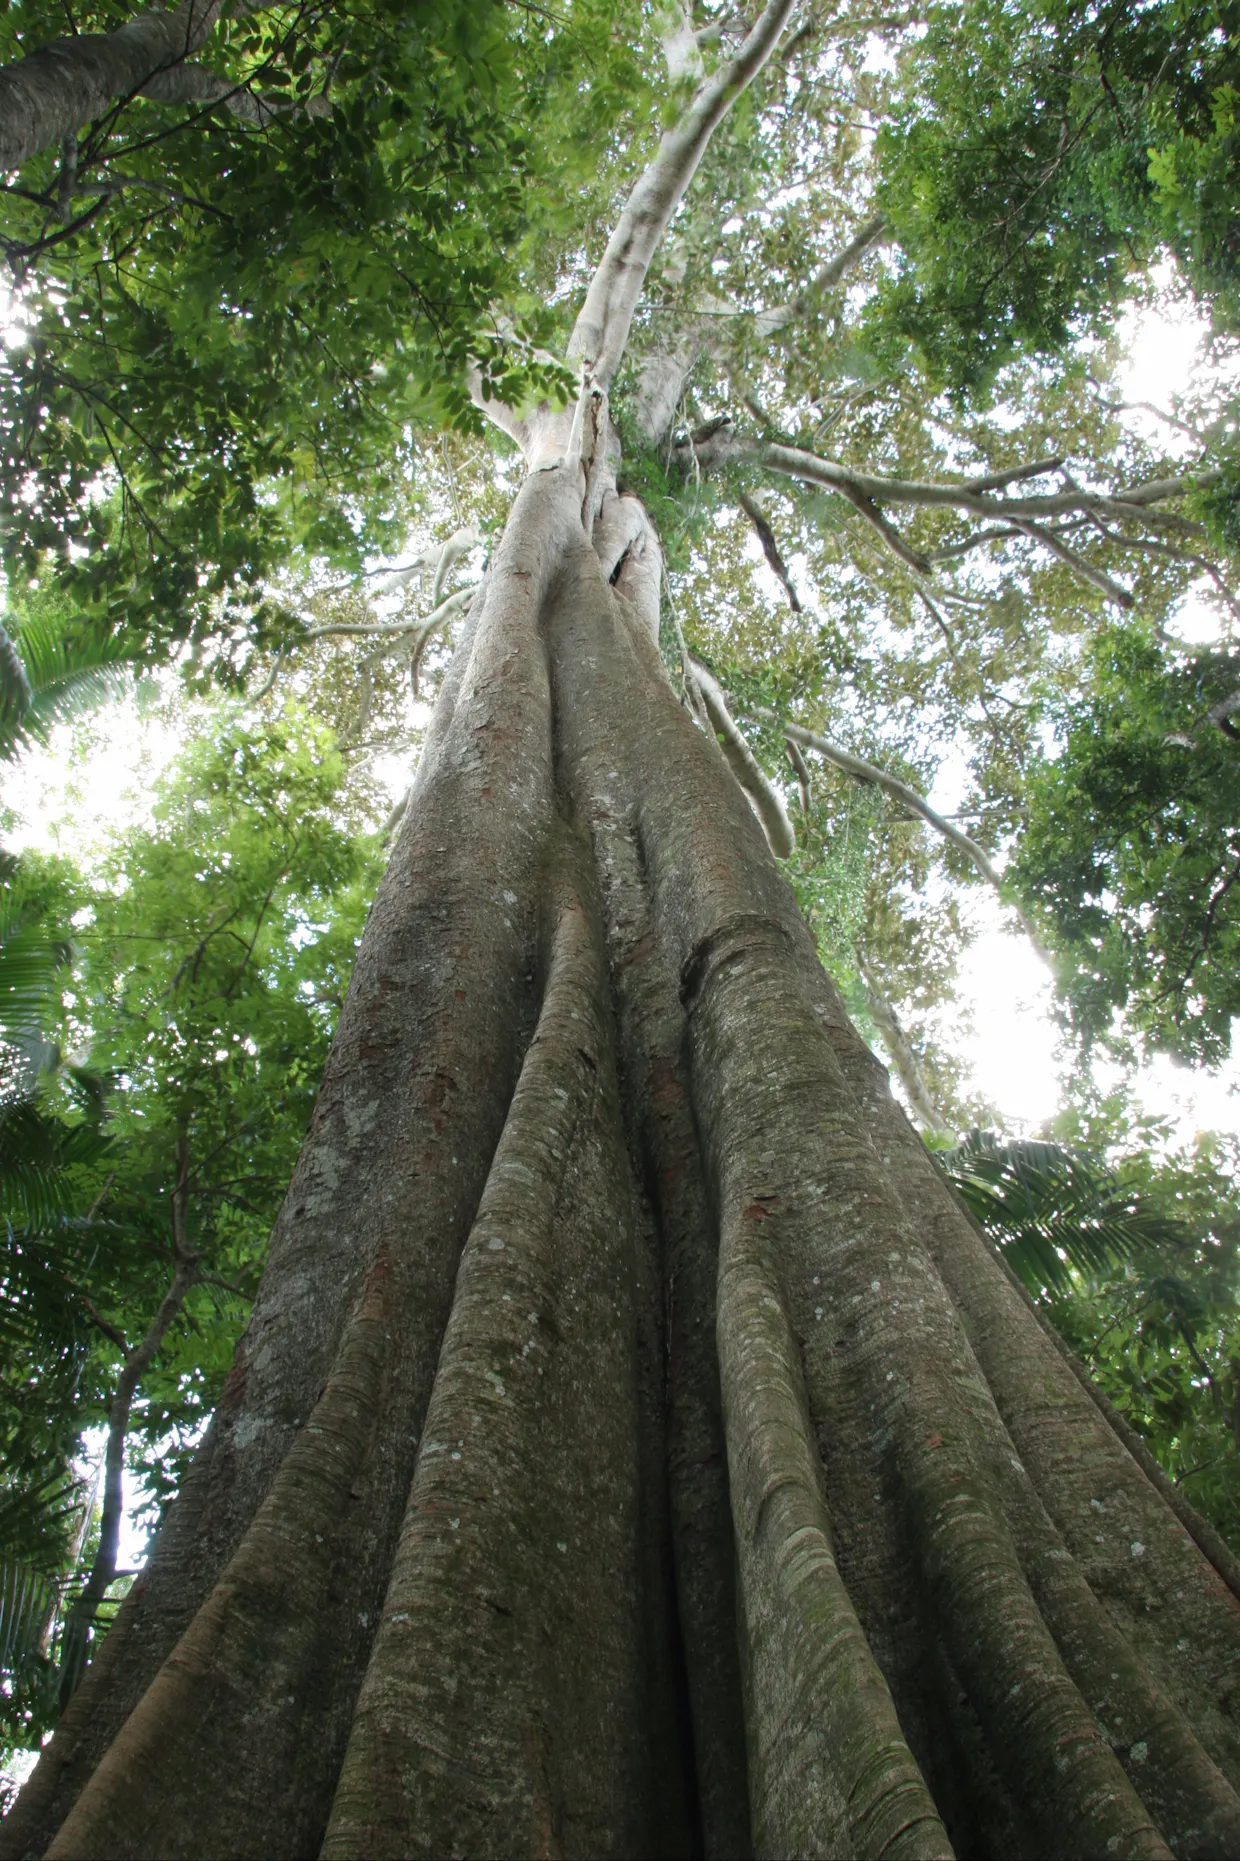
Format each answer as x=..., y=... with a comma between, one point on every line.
x=635, y=1449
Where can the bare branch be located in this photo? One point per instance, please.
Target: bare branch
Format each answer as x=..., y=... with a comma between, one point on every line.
x=602, y=327
x=867, y=493
x=796, y=463
x=1145, y=407
x=445, y=611
x=1098, y=578
x=902, y=1055
x=458, y=544
x=770, y=548
x=802, y=773
x=1016, y=476
x=767, y=322
x=1148, y=545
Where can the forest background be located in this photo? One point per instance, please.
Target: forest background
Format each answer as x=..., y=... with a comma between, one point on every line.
x=247, y=491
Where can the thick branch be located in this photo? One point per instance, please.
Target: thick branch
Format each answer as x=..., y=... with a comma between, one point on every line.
x=867, y=494
x=768, y=803
x=602, y=327
x=458, y=544
x=55, y=91
x=681, y=47
x=195, y=84
x=446, y=611
x=802, y=772
x=796, y=463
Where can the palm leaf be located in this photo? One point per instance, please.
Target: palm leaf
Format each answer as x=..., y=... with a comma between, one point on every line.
x=41, y=1502
x=1054, y=1212
x=50, y=676
x=36, y=1153
x=15, y=692
x=30, y=965
x=28, y=1602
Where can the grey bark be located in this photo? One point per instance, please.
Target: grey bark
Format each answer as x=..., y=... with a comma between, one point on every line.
x=627, y=1392
x=635, y=1448
x=55, y=91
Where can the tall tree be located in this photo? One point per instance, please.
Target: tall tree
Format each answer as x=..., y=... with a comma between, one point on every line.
x=635, y=1446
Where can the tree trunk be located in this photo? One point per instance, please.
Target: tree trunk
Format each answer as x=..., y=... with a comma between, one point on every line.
x=634, y=1448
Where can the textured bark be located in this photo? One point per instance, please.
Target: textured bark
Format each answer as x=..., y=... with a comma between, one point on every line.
x=635, y=1448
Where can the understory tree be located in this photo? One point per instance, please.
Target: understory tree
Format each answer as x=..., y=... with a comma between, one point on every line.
x=635, y=1446
x=139, y=1177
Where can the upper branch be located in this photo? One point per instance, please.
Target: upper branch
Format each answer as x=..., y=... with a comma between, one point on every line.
x=767, y=322
x=602, y=327
x=975, y=497
x=766, y=800
x=796, y=463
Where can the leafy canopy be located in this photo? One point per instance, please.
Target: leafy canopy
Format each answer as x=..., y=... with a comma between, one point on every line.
x=233, y=325
x=1131, y=848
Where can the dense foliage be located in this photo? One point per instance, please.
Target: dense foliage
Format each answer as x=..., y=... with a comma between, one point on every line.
x=233, y=319
x=1132, y=846
x=211, y=949
x=1138, y=1267
x=1042, y=155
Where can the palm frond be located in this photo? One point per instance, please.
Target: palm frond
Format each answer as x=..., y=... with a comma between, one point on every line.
x=1053, y=1211
x=41, y=1505
x=28, y=1600
x=36, y=1153
x=15, y=692
x=50, y=676
x=30, y=966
